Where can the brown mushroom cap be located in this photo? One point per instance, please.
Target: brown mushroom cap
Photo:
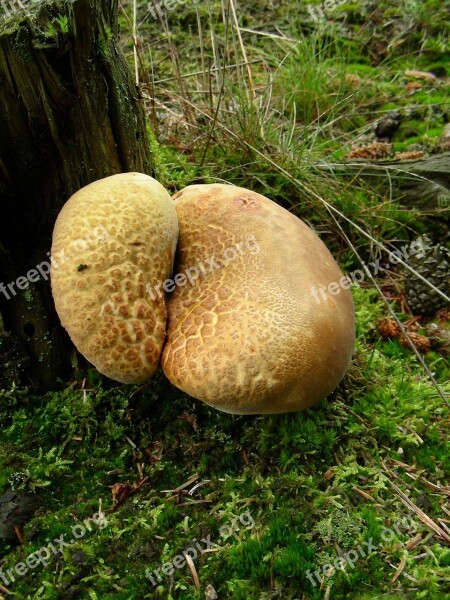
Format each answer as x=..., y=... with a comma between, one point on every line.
x=111, y=240
x=250, y=337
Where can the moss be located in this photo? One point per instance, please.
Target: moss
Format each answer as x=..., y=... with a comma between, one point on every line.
x=104, y=42
x=172, y=168
x=297, y=482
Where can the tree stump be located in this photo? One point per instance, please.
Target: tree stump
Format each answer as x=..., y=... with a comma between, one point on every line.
x=69, y=115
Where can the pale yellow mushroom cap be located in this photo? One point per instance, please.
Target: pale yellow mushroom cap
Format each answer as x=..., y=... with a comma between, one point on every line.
x=250, y=336
x=113, y=240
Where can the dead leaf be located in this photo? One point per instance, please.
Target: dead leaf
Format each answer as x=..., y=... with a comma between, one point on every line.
x=413, y=86
x=120, y=491
x=193, y=570
x=351, y=79
x=328, y=475
x=210, y=593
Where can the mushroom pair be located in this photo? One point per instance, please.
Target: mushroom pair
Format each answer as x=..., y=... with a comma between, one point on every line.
x=217, y=285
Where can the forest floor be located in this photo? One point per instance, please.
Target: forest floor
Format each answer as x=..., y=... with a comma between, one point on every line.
x=349, y=499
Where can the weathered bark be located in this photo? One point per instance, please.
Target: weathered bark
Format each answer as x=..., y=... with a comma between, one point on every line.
x=69, y=114
x=15, y=510
x=421, y=183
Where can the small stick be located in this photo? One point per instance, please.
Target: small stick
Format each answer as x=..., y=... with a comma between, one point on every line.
x=399, y=570
x=19, y=534
x=413, y=542
x=182, y=487
x=363, y=494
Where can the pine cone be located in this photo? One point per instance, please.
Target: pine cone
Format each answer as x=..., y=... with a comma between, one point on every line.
x=433, y=265
x=413, y=86
x=420, y=342
x=389, y=328
x=411, y=155
x=376, y=150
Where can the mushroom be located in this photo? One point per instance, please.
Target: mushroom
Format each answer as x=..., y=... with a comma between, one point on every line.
x=113, y=240
x=261, y=319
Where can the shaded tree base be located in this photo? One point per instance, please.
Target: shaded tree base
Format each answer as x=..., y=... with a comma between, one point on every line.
x=70, y=114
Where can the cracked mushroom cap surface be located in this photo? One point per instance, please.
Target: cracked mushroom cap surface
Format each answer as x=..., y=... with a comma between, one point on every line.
x=247, y=335
x=111, y=240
